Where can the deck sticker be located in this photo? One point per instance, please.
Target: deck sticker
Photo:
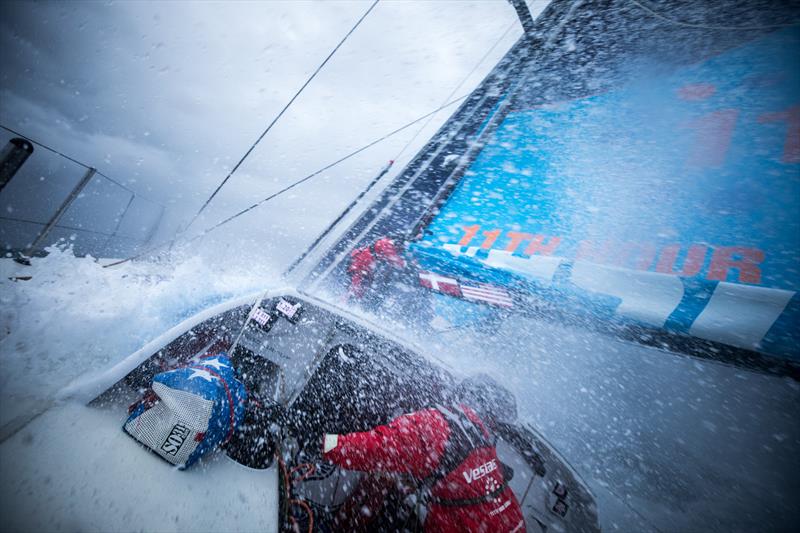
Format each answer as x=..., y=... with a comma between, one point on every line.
x=260, y=316
x=289, y=310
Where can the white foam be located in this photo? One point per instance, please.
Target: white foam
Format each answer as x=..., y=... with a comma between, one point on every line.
x=74, y=318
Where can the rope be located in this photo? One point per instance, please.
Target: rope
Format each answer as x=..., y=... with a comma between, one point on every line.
x=308, y=510
x=309, y=468
x=386, y=169
x=454, y=91
x=279, y=115
x=709, y=27
x=70, y=228
x=326, y=232
x=291, y=186
x=327, y=167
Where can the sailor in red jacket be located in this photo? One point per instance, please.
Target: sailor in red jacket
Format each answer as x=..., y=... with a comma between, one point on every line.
x=366, y=262
x=449, y=450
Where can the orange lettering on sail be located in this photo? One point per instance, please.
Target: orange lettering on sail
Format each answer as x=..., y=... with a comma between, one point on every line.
x=516, y=239
x=744, y=260
x=491, y=236
x=692, y=265
x=538, y=246
x=469, y=234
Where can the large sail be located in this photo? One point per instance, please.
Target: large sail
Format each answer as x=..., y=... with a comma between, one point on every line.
x=632, y=170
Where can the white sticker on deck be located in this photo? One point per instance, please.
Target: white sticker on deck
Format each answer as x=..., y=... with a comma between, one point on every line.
x=260, y=316
x=286, y=308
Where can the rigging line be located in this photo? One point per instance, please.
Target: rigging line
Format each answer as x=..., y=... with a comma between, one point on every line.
x=65, y=156
x=79, y=163
x=327, y=167
x=134, y=193
x=279, y=115
x=70, y=228
x=454, y=91
x=656, y=14
x=520, y=80
x=326, y=232
x=292, y=185
x=388, y=167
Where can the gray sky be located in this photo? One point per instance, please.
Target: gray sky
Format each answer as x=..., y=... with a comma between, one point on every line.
x=166, y=96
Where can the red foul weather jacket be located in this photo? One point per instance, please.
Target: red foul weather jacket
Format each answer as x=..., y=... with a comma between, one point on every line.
x=364, y=261
x=450, y=448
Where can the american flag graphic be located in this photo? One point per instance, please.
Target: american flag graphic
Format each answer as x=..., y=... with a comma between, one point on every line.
x=487, y=293
x=476, y=292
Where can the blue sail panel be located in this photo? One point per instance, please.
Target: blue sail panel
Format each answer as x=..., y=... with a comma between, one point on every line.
x=670, y=199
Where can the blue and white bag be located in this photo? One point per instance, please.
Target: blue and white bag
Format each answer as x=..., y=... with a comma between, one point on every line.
x=193, y=409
